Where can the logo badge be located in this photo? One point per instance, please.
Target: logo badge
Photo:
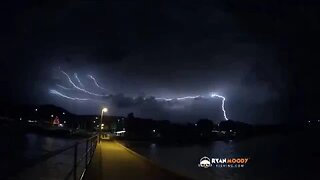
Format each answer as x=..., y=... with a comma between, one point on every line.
x=205, y=162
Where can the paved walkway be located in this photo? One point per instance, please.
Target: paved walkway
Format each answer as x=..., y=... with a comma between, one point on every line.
x=112, y=161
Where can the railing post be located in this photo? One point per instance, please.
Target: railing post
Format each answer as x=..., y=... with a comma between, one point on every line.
x=93, y=144
x=86, y=162
x=75, y=161
x=90, y=148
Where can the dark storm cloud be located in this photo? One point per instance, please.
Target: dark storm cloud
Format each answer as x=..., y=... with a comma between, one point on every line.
x=167, y=50
x=163, y=49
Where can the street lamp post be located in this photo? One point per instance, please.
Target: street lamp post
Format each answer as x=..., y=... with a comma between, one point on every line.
x=100, y=131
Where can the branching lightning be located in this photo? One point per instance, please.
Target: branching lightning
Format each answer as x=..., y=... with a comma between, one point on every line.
x=80, y=89
x=95, y=82
x=75, y=87
x=65, y=96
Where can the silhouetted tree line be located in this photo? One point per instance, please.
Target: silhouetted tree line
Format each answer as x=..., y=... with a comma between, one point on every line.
x=15, y=118
x=202, y=130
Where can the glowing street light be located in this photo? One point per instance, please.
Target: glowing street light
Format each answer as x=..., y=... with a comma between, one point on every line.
x=104, y=110
x=36, y=109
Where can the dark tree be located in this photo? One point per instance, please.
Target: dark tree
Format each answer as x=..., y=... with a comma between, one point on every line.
x=205, y=127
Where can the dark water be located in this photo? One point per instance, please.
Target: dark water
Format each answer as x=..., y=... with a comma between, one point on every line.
x=294, y=156
x=17, y=150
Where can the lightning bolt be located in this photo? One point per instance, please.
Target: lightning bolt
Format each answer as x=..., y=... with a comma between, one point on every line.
x=180, y=98
x=212, y=95
x=65, y=96
x=222, y=105
x=188, y=97
x=76, y=76
x=95, y=82
x=63, y=87
x=164, y=99
x=81, y=89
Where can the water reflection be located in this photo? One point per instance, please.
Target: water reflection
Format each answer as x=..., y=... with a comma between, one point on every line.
x=270, y=157
x=20, y=149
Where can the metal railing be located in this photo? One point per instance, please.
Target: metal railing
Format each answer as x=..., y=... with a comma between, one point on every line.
x=78, y=157
x=91, y=144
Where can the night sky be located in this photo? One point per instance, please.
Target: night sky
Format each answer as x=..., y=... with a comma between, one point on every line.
x=261, y=55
